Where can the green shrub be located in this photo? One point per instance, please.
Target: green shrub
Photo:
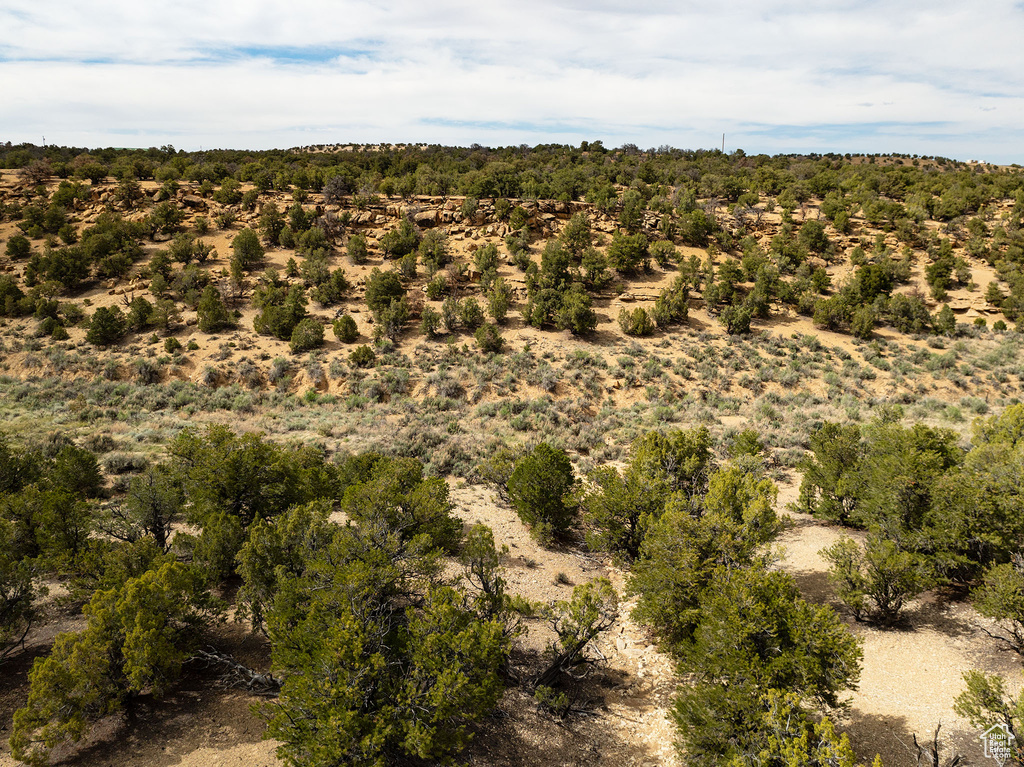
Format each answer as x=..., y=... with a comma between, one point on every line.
x=450, y=314
x=519, y=218
x=391, y=320
x=281, y=308
x=383, y=662
x=437, y=288
x=362, y=357
x=470, y=314
x=672, y=305
x=430, y=321
x=747, y=442
x=165, y=218
x=408, y=266
x=47, y=326
x=469, y=207
x=107, y=326
x=271, y=223
x=759, y=641
x=230, y=192
x=140, y=314
x=398, y=242
x=247, y=248
x=636, y=322
x=312, y=242
x=518, y=244
x=944, y=321
x=593, y=609
x=249, y=200
x=13, y=302
x=397, y=494
x=486, y=261
x=345, y=329
x=433, y=251
x=357, y=250
x=1001, y=598
x=813, y=236
x=499, y=299
x=212, y=313
x=628, y=253
x=736, y=319
x=15, y=578
x=136, y=638
x=984, y=701
x=664, y=253
x=540, y=488
x=308, y=334
x=862, y=323
x=185, y=248
x=18, y=247
x=876, y=582
x=331, y=290
x=381, y=289
x=488, y=338
x=576, y=312
x=831, y=483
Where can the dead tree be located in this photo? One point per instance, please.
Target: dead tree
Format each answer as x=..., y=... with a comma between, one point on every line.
x=239, y=676
x=929, y=755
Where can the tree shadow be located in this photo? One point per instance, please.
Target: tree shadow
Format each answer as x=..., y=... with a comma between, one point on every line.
x=927, y=611
x=692, y=323
x=14, y=673
x=891, y=738
x=199, y=712
x=521, y=733
x=796, y=520
x=940, y=615
x=763, y=326
x=603, y=338
x=55, y=618
x=815, y=587
x=886, y=736
x=159, y=732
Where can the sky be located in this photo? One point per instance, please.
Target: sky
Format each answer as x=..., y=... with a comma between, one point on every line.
x=935, y=77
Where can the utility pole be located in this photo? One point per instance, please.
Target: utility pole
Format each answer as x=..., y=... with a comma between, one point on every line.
x=723, y=143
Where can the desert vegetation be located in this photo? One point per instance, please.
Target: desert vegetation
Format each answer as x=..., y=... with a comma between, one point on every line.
x=259, y=406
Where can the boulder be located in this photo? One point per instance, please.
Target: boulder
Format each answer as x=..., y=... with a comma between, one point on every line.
x=426, y=218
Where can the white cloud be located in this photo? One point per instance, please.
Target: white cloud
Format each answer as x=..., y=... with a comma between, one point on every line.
x=931, y=78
